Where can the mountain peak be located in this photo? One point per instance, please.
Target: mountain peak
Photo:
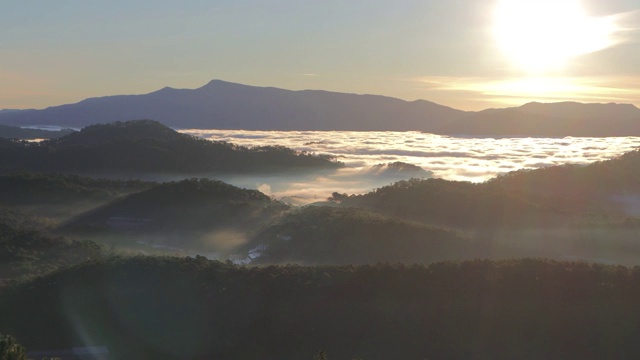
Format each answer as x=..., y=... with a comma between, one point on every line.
x=219, y=83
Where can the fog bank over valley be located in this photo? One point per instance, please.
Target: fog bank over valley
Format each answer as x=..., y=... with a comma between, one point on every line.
x=449, y=158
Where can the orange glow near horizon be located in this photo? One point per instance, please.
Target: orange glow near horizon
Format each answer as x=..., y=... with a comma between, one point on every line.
x=490, y=92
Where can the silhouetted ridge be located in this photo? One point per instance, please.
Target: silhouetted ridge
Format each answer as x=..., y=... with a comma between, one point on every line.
x=187, y=205
x=191, y=308
x=582, y=111
x=148, y=146
x=60, y=189
x=224, y=105
x=330, y=235
x=600, y=180
x=26, y=250
x=467, y=205
x=199, y=191
x=135, y=130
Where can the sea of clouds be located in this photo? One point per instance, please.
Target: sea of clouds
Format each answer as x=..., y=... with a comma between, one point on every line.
x=451, y=158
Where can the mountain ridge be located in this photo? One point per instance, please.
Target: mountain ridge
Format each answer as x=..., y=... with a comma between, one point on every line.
x=225, y=105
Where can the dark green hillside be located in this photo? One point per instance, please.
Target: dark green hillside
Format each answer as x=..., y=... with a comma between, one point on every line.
x=601, y=180
x=175, y=209
x=61, y=196
x=146, y=146
x=26, y=249
x=15, y=219
x=555, y=195
x=170, y=308
x=466, y=205
x=139, y=130
x=328, y=235
x=37, y=188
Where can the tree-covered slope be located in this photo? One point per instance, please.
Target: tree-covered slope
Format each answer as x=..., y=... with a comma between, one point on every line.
x=329, y=235
x=27, y=250
x=192, y=212
x=196, y=309
x=554, y=195
x=146, y=146
x=61, y=196
x=19, y=189
x=467, y=205
x=600, y=180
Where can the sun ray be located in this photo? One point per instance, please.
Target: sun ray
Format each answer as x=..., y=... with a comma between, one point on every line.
x=539, y=36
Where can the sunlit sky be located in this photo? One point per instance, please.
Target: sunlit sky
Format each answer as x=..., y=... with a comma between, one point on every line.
x=468, y=54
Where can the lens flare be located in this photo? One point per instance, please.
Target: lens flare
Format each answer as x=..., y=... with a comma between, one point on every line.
x=539, y=36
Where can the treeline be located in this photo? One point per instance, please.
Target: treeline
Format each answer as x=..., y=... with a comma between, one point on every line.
x=470, y=205
x=599, y=181
x=187, y=206
x=27, y=249
x=20, y=189
x=188, y=308
x=602, y=192
x=146, y=146
x=200, y=214
x=329, y=235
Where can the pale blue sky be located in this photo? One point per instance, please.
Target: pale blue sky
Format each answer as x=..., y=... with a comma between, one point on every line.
x=55, y=52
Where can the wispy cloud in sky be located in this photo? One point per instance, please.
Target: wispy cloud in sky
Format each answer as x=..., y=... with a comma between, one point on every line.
x=518, y=90
x=80, y=49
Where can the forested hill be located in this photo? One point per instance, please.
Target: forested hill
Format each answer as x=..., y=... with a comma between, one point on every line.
x=330, y=235
x=461, y=204
x=600, y=180
x=188, y=205
x=548, y=196
x=27, y=250
x=170, y=308
x=24, y=189
x=148, y=146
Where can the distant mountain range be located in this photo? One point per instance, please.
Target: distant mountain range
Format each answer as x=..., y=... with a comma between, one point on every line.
x=224, y=105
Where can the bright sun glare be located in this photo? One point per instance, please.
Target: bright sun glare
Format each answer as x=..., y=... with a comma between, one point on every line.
x=543, y=35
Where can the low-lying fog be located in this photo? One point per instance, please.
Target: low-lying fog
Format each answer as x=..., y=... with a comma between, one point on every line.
x=451, y=158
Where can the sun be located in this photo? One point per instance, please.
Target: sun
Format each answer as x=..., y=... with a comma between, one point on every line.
x=539, y=36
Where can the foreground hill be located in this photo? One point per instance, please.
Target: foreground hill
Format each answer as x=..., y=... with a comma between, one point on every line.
x=538, y=197
x=615, y=180
x=224, y=105
x=27, y=250
x=142, y=308
x=463, y=205
x=146, y=146
x=206, y=214
x=329, y=235
x=21, y=189
x=59, y=196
